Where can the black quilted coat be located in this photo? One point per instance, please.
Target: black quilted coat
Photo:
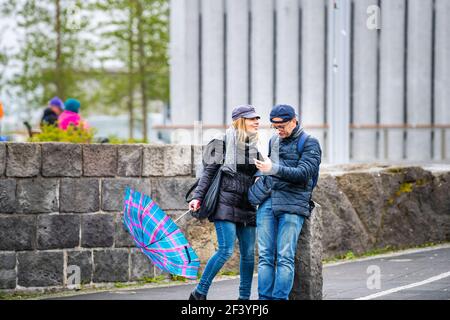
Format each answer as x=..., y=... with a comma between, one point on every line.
x=233, y=204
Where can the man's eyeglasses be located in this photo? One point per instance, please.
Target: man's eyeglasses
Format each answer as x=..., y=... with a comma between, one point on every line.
x=279, y=127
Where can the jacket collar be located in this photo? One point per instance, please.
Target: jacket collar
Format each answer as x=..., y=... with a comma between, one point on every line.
x=295, y=133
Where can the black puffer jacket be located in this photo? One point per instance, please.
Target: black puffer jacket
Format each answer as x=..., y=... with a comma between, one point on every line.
x=49, y=117
x=233, y=204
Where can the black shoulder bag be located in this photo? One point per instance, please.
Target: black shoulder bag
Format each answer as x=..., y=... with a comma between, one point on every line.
x=209, y=203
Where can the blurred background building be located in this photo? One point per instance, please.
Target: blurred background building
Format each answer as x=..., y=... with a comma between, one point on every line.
x=369, y=78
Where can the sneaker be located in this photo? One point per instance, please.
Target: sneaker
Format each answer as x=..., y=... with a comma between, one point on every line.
x=195, y=295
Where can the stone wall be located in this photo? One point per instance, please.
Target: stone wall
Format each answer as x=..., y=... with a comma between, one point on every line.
x=61, y=206
x=368, y=207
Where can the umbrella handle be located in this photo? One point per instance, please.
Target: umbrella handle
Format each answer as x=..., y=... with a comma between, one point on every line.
x=182, y=215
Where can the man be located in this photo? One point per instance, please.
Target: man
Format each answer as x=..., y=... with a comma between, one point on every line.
x=289, y=178
x=51, y=114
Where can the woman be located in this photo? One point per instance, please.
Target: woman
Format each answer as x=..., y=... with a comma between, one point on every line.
x=71, y=115
x=234, y=215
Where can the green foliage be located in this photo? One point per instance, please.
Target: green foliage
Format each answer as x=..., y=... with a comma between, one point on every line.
x=349, y=255
x=120, y=45
x=377, y=251
x=51, y=54
x=3, y=65
x=177, y=278
x=157, y=279
x=108, y=68
x=228, y=273
x=395, y=170
x=405, y=187
x=113, y=139
x=19, y=295
x=121, y=285
x=73, y=134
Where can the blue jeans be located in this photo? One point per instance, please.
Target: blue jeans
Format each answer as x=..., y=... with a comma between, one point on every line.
x=277, y=244
x=226, y=236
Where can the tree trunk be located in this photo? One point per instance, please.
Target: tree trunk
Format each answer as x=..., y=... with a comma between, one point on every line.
x=130, y=73
x=59, y=74
x=142, y=68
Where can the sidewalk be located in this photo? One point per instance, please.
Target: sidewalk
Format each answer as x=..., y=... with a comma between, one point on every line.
x=410, y=274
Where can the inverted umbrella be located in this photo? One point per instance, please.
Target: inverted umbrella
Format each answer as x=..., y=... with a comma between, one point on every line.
x=158, y=236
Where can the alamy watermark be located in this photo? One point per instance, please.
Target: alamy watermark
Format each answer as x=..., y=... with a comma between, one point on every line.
x=74, y=277
x=374, y=280
x=373, y=21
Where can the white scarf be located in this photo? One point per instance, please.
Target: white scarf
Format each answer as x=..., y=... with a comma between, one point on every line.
x=235, y=150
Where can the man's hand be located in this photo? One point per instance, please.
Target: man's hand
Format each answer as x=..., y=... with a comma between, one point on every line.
x=264, y=166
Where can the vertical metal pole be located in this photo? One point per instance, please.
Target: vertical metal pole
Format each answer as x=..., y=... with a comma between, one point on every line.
x=339, y=80
x=386, y=143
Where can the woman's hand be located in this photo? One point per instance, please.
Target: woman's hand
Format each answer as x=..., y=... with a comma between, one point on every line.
x=194, y=205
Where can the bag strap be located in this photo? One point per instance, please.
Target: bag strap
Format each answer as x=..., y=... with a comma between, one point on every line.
x=272, y=138
x=192, y=188
x=186, y=197
x=301, y=144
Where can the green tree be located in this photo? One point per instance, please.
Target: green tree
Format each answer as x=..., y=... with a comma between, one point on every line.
x=117, y=34
x=153, y=39
x=137, y=36
x=51, y=52
x=3, y=65
x=57, y=58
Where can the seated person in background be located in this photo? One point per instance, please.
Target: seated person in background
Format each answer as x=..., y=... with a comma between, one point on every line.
x=71, y=116
x=52, y=112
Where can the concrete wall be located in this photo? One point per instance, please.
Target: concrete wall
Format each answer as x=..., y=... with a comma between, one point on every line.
x=230, y=52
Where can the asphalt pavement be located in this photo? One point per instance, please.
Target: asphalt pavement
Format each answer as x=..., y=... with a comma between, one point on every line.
x=422, y=274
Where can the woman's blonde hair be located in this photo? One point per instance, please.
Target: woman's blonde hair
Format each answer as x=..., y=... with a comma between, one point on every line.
x=241, y=128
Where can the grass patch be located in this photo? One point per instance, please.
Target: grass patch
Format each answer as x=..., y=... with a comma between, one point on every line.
x=374, y=252
x=228, y=273
x=395, y=170
x=157, y=279
x=120, y=285
x=113, y=139
x=178, y=278
x=19, y=295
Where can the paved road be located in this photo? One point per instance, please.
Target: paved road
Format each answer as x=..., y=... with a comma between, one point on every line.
x=413, y=274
